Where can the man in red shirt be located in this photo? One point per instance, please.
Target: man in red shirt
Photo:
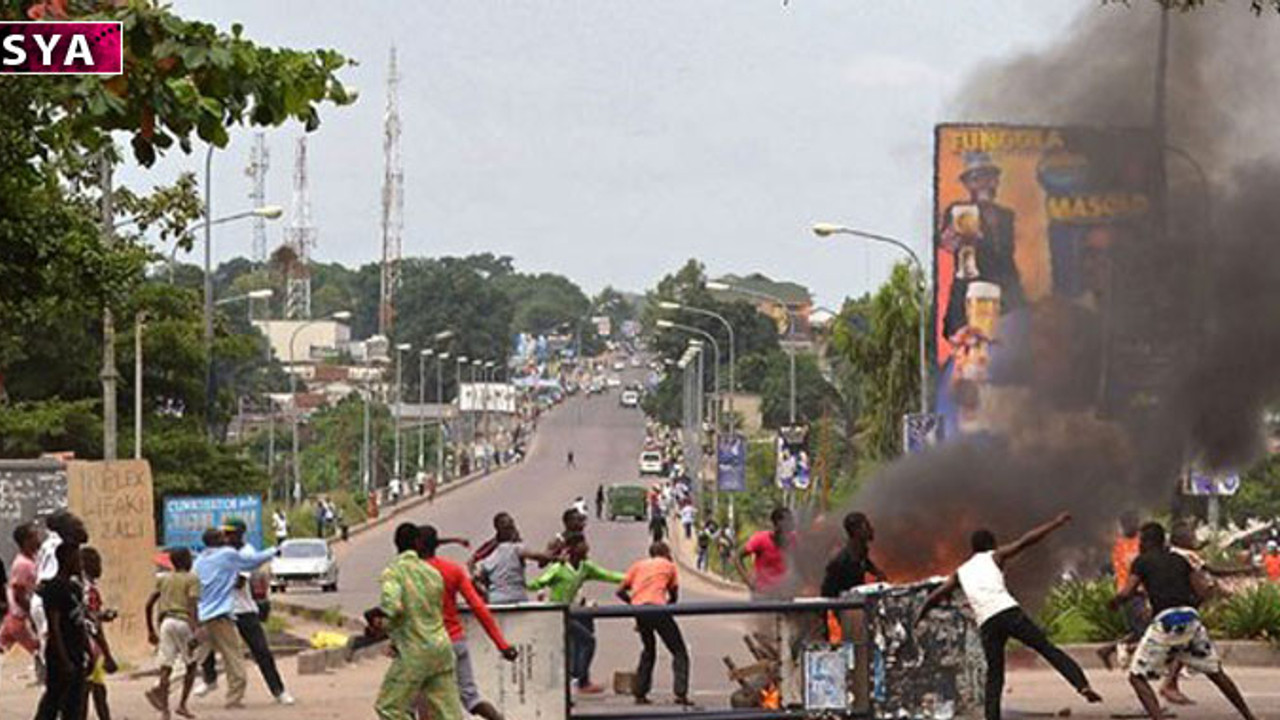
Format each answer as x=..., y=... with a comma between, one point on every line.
x=457, y=581
x=654, y=581
x=770, y=549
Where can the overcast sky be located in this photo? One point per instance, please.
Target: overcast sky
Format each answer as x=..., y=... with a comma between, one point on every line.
x=611, y=140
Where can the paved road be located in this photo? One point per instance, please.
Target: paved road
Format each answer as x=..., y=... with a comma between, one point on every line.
x=606, y=440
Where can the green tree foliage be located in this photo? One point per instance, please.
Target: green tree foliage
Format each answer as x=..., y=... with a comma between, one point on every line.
x=814, y=395
x=874, y=348
x=1259, y=495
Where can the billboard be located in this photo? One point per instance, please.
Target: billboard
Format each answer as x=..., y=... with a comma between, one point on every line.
x=1035, y=229
x=487, y=397
x=731, y=464
x=793, y=469
x=186, y=518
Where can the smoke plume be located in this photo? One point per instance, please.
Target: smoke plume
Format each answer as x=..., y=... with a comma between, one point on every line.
x=1216, y=290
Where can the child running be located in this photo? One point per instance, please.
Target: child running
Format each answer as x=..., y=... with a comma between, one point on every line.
x=177, y=595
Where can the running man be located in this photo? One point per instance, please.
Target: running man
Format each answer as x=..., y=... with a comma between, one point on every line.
x=1000, y=617
x=412, y=601
x=1176, y=637
x=654, y=581
x=177, y=594
x=456, y=582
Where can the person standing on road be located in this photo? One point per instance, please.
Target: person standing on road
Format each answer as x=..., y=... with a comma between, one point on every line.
x=219, y=568
x=769, y=550
x=1000, y=617
x=280, y=524
x=706, y=536
x=457, y=582
x=1176, y=637
x=501, y=567
x=17, y=628
x=1270, y=561
x=177, y=594
x=564, y=579
x=412, y=603
x=852, y=566
x=568, y=463
x=688, y=514
x=248, y=619
x=321, y=516
x=67, y=647
x=599, y=501
x=655, y=581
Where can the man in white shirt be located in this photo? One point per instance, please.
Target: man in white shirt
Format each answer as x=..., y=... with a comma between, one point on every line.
x=1000, y=617
x=280, y=524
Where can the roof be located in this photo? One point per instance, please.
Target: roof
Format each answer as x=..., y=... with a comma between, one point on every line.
x=789, y=292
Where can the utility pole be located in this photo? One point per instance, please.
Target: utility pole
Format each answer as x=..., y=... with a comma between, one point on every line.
x=138, y=321
x=109, y=374
x=392, y=201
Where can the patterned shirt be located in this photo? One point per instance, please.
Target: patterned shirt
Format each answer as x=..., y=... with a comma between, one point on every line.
x=413, y=598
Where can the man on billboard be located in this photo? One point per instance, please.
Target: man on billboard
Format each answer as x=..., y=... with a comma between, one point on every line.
x=980, y=234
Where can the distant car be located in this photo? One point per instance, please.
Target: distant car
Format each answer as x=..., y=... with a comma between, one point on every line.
x=626, y=501
x=619, y=366
x=305, y=561
x=635, y=361
x=629, y=398
x=651, y=463
x=614, y=381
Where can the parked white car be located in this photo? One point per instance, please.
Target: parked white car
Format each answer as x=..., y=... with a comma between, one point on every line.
x=629, y=398
x=305, y=561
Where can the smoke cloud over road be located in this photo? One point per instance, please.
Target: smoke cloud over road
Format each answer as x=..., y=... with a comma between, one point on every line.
x=1215, y=292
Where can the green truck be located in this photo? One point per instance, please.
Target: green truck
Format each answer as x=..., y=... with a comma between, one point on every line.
x=623, y=500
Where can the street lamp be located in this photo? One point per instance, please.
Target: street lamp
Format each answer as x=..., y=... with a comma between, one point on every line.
x=733, y=364
x=400, y=350
x=423, y=355
x=340, y=316
x=791, y=331
x=826, y=230
x=440, y=358
x=715, y=346
x=252, y=295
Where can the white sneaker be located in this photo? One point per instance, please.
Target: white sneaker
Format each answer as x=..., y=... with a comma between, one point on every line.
x=201, y=688
x=284, y=698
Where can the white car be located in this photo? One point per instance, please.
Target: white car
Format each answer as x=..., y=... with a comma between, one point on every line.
x=305, y=561
x=613, y=381
x=619, y=366
x=651, y=462
x=629, y=399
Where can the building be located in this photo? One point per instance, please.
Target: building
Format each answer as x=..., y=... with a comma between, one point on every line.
x=313, y=340
x=793, y=303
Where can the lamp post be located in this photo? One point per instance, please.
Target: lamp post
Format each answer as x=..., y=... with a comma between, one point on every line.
x=476, y=363
x=138, y=321
x=733, y=364
x=423, y=355
x=825, y=230
x=402, y=348
x=715, y=346
x=440, y=358
x=340, y=316
x=458, y=362
x=488, y=379
x=252, y=295
x=269, y=212
x=791, y=331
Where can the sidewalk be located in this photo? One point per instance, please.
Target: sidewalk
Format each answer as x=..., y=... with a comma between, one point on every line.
x=686, y=557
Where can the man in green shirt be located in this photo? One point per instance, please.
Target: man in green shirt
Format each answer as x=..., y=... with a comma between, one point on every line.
x=564, y=579
x=412, y=600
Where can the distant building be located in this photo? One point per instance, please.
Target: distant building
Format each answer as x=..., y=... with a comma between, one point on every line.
x=795, y=306
x=313, y=340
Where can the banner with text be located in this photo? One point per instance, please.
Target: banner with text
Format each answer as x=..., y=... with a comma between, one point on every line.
x=187, y=517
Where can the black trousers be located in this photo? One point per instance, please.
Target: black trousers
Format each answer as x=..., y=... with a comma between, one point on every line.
x=255, y=636
x=665, y=627
x=1014, y=624
x=64, y=695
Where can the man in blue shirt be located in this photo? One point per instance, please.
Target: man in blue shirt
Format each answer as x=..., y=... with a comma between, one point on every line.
x=218, y=569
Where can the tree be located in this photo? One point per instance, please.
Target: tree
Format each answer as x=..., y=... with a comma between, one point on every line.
x=814, y=395
x=1188, y=5
x=874, y=347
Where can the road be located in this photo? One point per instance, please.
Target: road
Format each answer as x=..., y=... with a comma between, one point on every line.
x=606, y=440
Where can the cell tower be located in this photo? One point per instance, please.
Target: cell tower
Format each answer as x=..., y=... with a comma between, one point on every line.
x=392, y=201
x=259, y=163
x=299, y=238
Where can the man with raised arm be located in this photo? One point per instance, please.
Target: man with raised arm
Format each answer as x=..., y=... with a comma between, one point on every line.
x=1000, y=617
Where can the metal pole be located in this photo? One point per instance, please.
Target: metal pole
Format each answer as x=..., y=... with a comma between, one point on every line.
x=210, y=380
x=791, y=353
x=137, y=385
x=109, y=374
x=366, y=458
x=396, y=474
x=271, y=449
x=422, y=404
x=440, y=426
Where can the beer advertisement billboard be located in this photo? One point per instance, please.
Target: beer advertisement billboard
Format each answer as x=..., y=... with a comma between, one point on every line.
x=1033, y=230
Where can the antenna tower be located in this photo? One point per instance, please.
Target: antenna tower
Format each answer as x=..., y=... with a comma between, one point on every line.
x=392, y=201
x=259, y=163
x=300, y=238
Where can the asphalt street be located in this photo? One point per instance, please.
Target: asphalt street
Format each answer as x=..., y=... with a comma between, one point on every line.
x=606, y=440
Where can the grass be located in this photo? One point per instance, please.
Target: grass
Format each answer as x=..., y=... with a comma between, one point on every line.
x=277, y=624
x=333, y=616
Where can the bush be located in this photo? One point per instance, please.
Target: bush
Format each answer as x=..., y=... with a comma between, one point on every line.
x=1078, y=611
x=1250, y=614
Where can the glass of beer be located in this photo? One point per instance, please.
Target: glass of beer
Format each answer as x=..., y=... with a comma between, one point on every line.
x=982, y=307
x=966, y=220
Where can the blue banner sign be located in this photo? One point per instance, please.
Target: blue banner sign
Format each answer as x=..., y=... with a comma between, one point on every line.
x=186, y=518
x=731, y=465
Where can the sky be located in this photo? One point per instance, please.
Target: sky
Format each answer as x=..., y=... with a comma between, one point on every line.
x=610, y=141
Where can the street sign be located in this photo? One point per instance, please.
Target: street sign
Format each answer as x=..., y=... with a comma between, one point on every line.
x=792, y=471
x=731, y=466
x=186, y=518
x=1199, y=483
x=920, y=431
